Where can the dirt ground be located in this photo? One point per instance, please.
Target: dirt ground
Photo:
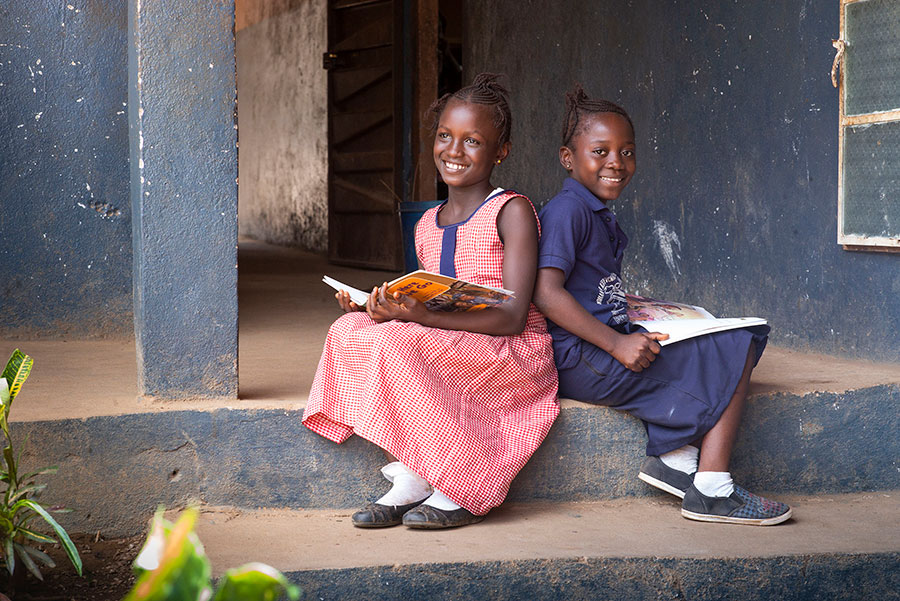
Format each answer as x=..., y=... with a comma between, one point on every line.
x=107, y=572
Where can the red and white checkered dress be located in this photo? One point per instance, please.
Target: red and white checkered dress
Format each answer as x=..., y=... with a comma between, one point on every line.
x=463, y=410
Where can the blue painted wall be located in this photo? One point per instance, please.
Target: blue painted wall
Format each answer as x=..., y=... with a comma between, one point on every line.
x=65, y=214
x=737, y=125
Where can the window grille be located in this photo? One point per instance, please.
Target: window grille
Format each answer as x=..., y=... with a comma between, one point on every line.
x=868, y=55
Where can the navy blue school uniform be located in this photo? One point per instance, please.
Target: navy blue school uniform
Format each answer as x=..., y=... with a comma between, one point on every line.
x=681, y=396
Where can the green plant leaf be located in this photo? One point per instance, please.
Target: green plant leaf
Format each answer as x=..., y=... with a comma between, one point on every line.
x=26, y=490
x=9, y=554
x=16, y=372
x=36, y=536
x=4, y=392
x=10, y=468
x=41, y=472
x=28, y=562
x=38, y=555
x=254, y=582
x=172, y=565
x=64, y=539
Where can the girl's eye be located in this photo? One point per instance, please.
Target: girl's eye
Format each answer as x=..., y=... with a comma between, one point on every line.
x=471, y=141
x=627, y=153
x=600, y=151
x=443, y=135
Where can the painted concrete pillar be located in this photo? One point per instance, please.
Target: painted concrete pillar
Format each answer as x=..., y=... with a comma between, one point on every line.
x=183, y=139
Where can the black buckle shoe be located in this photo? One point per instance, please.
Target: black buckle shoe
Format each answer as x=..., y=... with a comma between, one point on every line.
x=427, y=517
x=375, y=515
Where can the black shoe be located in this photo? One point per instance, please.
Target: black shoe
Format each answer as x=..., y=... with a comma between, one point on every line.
x=431, y=518
x=656, y=473
x=742, y=507
x=375, y=515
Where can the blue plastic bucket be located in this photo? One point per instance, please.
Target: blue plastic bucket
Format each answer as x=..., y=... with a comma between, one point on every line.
x=410, y=213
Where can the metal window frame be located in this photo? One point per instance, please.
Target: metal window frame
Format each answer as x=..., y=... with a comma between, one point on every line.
x=855, y=241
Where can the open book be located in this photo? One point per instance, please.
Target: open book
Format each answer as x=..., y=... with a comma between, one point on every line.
x=438, y=292
x=681, y=321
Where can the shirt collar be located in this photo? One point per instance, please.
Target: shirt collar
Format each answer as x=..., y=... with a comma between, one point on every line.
x=579, y=190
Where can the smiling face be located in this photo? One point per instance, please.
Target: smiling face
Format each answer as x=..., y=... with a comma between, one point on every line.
x=601, y=155
x=466, y=144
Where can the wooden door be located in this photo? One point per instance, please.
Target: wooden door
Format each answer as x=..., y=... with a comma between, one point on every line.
x=364, y=61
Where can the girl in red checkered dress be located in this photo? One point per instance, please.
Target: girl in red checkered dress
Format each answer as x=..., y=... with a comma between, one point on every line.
x=458, y=400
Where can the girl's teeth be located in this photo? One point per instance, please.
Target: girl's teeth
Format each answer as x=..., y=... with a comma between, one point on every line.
x=453, y=166
x=611, y=179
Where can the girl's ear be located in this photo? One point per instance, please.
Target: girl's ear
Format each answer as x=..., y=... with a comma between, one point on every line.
x=503, y=152
x=565, y=157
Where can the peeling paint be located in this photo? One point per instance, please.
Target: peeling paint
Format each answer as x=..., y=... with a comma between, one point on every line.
x=669, y=246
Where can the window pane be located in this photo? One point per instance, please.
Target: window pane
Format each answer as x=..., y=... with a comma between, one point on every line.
x=872, y=61
x=872, y=179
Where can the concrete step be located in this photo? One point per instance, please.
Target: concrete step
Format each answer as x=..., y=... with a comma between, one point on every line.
x=116, y=469
x=835, y=547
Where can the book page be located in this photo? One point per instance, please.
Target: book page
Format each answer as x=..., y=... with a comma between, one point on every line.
x=356, y=295
x=642, y=308
x=682, y=329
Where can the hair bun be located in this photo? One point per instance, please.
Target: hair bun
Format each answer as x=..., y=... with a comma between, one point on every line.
x=491, y=82
x=579, y=103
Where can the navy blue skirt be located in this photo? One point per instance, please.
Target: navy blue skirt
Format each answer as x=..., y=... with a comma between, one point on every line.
x=681, y=396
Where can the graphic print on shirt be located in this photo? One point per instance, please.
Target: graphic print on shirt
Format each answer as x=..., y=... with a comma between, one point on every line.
x=610, y=293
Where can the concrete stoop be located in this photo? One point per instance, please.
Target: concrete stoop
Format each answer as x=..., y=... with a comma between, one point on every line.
x=836, y=547
x=115, y=470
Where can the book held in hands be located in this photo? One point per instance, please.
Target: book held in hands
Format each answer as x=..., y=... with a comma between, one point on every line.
x=681, y=321
x=438, y=292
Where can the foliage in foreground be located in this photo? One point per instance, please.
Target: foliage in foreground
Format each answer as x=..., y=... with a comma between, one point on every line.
x=173, y=566
x=19, y=506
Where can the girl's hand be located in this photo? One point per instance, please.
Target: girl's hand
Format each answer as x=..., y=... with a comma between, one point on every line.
x=382, y=306
x=637, y=351
x=343, y=298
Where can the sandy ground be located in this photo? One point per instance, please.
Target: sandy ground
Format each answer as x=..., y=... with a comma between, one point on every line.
x=285, y=311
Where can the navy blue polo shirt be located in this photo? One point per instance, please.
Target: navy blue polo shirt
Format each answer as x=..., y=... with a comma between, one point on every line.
x=581, y=237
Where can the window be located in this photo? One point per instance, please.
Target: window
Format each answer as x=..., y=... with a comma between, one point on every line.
x=869, y=168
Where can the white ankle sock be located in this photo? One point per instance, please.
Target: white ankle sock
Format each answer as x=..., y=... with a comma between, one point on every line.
x=714, y=484
x=439, y=500
x=684, y=459
x=408, y=486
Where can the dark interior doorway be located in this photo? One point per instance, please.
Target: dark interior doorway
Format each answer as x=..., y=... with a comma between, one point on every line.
x=387, y=61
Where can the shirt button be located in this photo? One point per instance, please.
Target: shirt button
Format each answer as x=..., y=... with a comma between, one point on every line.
x=612, y=238
x=607, y=219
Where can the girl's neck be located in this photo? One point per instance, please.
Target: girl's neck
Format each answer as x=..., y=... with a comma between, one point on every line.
x=468, y=198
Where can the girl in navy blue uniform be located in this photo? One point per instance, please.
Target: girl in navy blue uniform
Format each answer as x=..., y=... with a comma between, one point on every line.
x=690, y=394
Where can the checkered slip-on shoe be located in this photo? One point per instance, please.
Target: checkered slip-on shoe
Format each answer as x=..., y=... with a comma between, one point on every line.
x=742, y=507
x=656, y=473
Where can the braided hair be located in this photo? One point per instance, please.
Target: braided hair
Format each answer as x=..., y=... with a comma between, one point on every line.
x=487, y=90
x=578, y=105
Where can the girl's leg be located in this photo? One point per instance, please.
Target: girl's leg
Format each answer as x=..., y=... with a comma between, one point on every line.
x=718, y=443
x=713, y=497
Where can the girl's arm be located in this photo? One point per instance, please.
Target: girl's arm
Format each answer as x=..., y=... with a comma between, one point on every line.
x=634, y=351
x=517, y=227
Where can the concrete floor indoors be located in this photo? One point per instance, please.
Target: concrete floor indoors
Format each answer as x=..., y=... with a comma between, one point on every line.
x=285, y=311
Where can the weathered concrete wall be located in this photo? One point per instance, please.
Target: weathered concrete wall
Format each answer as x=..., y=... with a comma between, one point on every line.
x=65, y=214
x=734, y=204
x=282, y=114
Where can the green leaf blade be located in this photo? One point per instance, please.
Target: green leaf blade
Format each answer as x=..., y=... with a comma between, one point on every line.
x=64, y=539
x=28, y=562
x=16, y=372
x=9, y=555
x=254, y=582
